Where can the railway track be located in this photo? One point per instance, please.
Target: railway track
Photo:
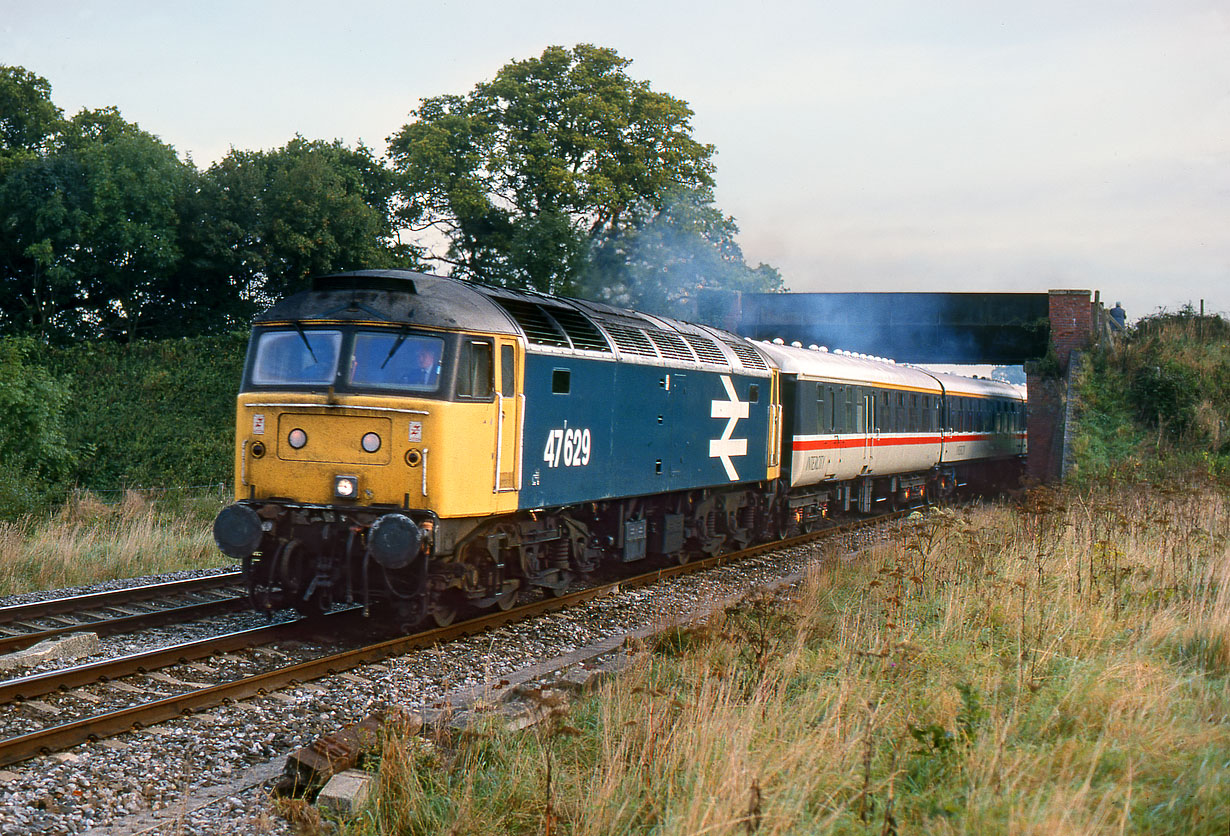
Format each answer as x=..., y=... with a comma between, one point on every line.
x=120, y=610
x=58, y=737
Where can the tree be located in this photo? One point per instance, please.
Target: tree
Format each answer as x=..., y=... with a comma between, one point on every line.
x=521, y=175
x=262, y=222
x=28, y=119
x=685, y=247
x=88, y=230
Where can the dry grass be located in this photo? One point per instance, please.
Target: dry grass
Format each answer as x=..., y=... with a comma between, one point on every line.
x=1058, y=668
x=88, y=541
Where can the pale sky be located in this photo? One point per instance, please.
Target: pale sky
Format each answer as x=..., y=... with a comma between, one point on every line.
x=889, y=145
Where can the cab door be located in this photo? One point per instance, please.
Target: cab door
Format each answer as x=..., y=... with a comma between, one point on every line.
x=511, y=408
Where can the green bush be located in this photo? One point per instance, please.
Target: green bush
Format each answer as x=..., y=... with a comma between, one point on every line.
x=1156, y=401
x=108, y=416
x=37, y=456
x=153, y=414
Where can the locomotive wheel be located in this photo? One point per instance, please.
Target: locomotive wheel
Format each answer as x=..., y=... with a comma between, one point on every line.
x=561, y=588
x=444, y=610
x=310, y=609
x=507, y=601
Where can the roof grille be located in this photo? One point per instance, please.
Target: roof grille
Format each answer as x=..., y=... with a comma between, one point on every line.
x=579, y=329
x=748, y=356
x=631, y=340
x=706, y=350
x=538, y=327
x=670, y=345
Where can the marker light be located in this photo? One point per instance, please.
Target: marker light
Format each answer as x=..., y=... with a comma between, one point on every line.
x=345, y=487
x=297, y=438
x=371, y=442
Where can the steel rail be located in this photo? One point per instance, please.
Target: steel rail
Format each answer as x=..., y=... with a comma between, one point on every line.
x=56, y=738
x=35, y=685
x=115, y=597
x=111, y=626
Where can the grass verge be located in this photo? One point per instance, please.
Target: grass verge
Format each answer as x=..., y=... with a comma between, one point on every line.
x=88, y=541
x=1059, y=667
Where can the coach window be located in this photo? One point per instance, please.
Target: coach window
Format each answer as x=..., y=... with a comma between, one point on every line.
x=474, y=370
x=850, y=426
x=832, y=393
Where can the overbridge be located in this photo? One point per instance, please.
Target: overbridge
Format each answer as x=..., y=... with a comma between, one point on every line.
x=997, y=328
x=944, y=328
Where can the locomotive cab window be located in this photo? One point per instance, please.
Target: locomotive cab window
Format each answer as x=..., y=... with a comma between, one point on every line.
x=753, y=393
x=393, y=360
x=296, y=358
x=561, y=382
x=474, y=367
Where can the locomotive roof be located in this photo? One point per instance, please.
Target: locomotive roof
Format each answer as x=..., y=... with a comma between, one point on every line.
x=550, y=324
x=395, y=296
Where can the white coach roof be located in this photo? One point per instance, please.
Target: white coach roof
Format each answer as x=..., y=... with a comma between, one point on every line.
x=842, y=367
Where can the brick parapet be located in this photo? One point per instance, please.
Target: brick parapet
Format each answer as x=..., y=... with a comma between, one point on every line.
x=1071, y=315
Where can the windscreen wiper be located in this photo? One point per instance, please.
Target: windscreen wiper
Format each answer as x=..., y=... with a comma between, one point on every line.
x=303, y=336
x=401, y=338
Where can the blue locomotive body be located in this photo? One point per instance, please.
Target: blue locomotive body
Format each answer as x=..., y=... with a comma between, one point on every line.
x=603, y=429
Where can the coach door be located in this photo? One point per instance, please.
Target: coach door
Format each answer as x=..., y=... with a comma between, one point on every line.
x=867, y=425
x=511, y=405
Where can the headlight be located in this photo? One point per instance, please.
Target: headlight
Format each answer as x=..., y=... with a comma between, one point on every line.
x=297, y=438
x=345, y=487
x=371, y=442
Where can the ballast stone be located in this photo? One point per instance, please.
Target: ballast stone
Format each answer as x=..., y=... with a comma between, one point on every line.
x=72, y=646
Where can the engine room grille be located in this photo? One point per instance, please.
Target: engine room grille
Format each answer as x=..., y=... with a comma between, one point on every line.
x=670, y=345
x=631, y=340
x=706, y=350
x=748, y=356
x=579, y=329
x=538, y=327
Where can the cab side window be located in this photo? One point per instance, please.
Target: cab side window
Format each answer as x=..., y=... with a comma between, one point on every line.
x=474, y=370
x=508, y=372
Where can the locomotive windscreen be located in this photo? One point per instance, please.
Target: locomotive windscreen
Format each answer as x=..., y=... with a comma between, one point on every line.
x=296, y=357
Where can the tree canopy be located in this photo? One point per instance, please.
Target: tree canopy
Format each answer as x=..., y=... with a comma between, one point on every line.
x=562, y=174
x=106, y=233
x=535, y=177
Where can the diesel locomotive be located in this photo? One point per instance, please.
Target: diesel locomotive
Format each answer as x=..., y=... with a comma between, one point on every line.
x=422, y=443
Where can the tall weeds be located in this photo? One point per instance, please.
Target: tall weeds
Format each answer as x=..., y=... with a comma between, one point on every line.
x=88, y=541
x=1060, y=667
